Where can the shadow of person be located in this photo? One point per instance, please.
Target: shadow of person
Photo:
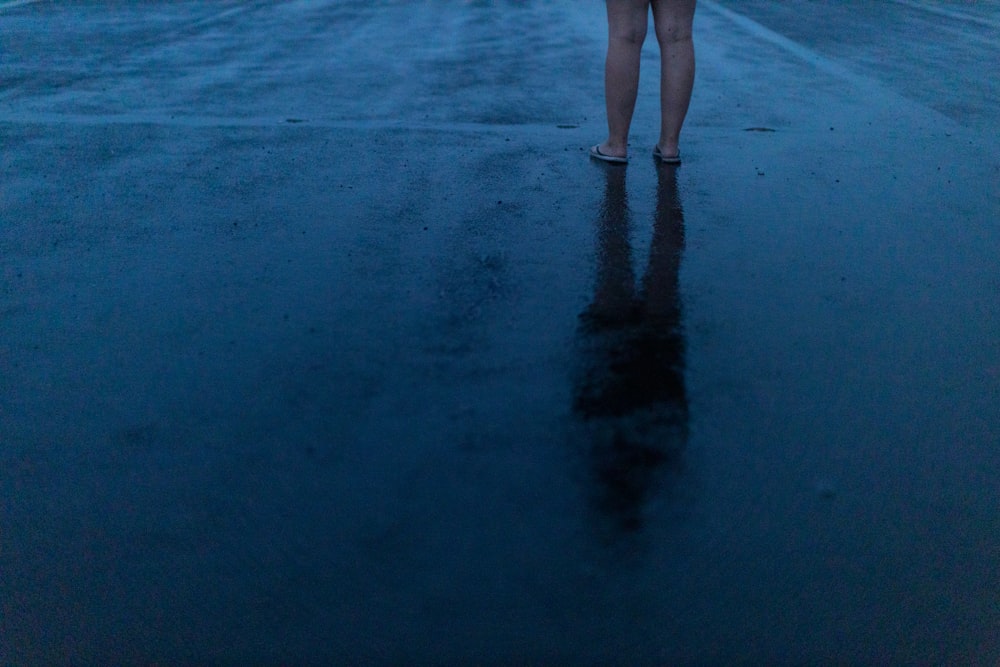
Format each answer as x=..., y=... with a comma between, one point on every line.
x=630, y=393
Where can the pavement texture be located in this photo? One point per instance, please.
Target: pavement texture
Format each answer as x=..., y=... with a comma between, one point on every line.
x=323, y=342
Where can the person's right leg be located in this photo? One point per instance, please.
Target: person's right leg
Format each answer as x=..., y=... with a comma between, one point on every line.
x=673, y=21
x=627, y=24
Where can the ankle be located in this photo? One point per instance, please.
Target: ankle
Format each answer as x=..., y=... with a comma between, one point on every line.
x=616, y=148
x=669, y=148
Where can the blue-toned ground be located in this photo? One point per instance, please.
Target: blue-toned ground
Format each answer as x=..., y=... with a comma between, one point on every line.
x=322, y=341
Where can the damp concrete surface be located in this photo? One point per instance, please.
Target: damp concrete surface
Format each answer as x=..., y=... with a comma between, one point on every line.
x=322, y=341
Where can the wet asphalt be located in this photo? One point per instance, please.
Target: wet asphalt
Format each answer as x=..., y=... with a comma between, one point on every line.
x=323, y=342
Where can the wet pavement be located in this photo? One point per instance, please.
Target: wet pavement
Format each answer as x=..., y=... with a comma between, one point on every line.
x=322, y=342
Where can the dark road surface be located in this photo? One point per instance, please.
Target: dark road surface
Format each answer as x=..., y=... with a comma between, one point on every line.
x=322, y=342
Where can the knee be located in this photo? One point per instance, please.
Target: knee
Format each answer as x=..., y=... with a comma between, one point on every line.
x=669, y=33
x=631, y=35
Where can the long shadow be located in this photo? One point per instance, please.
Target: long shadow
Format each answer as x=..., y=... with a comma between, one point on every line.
x=630, y=393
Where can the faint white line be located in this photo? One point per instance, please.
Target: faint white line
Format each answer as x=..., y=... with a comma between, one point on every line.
x=16, y=3
x=804, y=53
x=29, y=118
x=950, y=13
x=964, y=34
x=217, y=17
x=864, y=84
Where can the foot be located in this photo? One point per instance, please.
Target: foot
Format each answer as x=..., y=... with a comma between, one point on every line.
x=667, y=155
x=604, y=153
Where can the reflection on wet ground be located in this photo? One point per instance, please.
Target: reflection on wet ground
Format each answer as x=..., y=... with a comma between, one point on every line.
x=630, y=392
x=293, y=368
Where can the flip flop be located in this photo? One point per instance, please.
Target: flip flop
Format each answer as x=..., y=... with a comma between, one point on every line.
x=595, y=152
x=673, y=159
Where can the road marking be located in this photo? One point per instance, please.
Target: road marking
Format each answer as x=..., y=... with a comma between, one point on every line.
x=864, y=84
x=950, y=13
x=16, y=3
x=798, y=50
x=298, y=123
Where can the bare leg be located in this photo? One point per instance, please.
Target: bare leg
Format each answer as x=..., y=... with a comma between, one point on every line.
x=627, y=25
x=673, y=19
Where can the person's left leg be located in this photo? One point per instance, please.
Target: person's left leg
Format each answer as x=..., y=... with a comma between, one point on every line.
x=673, y=21
x=627, y=25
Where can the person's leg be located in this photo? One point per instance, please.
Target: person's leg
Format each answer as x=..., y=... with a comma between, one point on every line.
x=673, y=20
x=627, y=24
